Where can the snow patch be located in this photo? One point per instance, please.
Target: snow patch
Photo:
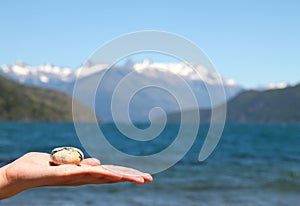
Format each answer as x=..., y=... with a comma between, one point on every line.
x=44, y=79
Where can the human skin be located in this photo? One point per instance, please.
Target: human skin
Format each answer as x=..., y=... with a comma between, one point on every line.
x=35, y=169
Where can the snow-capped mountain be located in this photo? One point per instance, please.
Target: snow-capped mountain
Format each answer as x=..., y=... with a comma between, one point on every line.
x=138, y=74
x=47, y=76
x=275, y=85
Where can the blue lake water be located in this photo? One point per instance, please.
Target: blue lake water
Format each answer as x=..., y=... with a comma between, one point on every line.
x=253, y=164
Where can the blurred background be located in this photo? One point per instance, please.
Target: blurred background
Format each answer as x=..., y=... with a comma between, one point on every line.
x=254, y=47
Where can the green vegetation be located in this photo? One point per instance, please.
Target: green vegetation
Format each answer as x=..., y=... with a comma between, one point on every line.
x=23, y=103
x=277, y=105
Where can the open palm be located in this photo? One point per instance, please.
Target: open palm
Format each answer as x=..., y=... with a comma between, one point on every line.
x=35, y=169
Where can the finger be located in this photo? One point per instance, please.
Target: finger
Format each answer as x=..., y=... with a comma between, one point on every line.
x=129, y=174
x=137, y=180
x=91, y=162
x=147, y=177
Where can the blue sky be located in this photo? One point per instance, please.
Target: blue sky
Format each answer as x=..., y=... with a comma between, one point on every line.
x=254, y=42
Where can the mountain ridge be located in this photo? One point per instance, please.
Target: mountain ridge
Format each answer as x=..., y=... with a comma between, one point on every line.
x=144, y=73
x=24, y=103
x=274, y=105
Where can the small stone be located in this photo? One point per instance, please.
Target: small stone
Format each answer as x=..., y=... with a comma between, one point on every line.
x=66, y=155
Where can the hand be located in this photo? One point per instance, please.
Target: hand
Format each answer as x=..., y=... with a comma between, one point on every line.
x=35, y=170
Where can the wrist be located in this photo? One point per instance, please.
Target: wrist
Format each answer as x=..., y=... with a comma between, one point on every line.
x=4, y=184
x=9, y=185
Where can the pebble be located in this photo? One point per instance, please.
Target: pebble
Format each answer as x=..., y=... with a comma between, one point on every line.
x=66, y=155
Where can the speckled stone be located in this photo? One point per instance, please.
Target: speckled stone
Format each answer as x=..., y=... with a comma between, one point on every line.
x=66, y=155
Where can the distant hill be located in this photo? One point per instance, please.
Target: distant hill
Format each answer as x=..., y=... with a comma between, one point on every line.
x=164, y=75
x=24, y=103
x=276, y=105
